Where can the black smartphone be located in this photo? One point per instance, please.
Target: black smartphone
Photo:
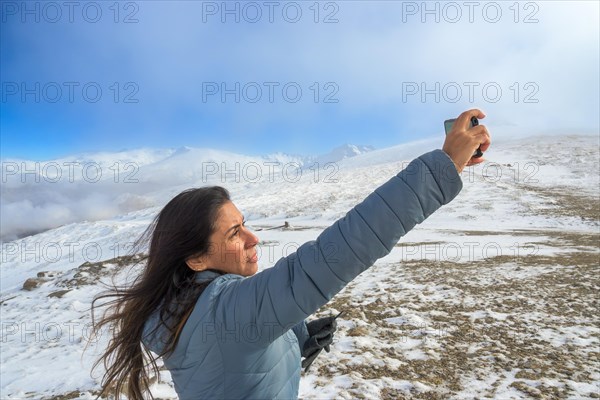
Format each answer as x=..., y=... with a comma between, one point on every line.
x=474, y=122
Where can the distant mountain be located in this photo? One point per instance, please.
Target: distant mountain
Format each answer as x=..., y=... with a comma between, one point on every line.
x=94, y=186
x=343, y=152
x=335, y=155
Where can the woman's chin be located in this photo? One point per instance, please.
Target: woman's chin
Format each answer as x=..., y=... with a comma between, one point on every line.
x=254, y=269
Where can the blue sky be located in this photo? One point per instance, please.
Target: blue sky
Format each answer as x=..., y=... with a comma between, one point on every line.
x=94, y=77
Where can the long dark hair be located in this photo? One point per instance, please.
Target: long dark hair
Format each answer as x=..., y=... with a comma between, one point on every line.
x=181, y=230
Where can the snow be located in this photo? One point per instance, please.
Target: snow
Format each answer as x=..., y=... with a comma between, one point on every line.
x=499, y=282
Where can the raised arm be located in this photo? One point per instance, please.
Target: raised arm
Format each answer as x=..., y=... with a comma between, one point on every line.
x=278, y=298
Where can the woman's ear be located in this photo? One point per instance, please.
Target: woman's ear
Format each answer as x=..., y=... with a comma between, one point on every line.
x=196, y=263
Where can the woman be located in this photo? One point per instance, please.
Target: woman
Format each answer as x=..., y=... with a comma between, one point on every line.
x=225, y=331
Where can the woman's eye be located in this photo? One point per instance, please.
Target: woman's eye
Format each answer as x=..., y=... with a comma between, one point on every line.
x=237, y=231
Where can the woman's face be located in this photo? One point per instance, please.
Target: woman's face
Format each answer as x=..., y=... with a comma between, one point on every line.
x=232, y=246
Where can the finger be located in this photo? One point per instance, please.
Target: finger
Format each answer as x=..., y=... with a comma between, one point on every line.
x=325, y=341
x=474, y=161
x=327, y=348
x=464, y=119
x=322, y=335
x=479, y=130
x=482, y=137
x=485, y=141
x=485, y=146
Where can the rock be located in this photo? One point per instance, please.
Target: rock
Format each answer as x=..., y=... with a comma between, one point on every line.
x=59, y=293
x=46, y=274
x=33, y=283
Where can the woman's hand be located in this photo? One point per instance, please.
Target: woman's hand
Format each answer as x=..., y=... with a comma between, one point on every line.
x=320, y=333
x=462, y=141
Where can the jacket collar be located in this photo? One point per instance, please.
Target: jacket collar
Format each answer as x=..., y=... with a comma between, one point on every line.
x=207, y=275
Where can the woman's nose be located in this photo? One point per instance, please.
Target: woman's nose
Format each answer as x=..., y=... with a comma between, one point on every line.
x=251, y=239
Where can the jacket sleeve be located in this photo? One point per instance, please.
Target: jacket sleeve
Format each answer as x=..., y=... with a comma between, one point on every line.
x=301, y=332
x=278, y=298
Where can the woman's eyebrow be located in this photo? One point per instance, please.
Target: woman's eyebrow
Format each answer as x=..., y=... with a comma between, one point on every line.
x=236, y=226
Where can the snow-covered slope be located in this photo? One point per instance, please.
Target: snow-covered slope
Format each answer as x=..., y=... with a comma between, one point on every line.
x=479, y=300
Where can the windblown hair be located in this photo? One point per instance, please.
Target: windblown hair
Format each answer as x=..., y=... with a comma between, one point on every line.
x=180, y=231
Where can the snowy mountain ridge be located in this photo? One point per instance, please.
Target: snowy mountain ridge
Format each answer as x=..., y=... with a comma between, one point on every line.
x=94, y=186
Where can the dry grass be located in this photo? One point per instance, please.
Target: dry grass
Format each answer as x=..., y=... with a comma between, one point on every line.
x=540, y=296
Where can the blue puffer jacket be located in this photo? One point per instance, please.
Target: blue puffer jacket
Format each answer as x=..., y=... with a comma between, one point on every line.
x=244, y=336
